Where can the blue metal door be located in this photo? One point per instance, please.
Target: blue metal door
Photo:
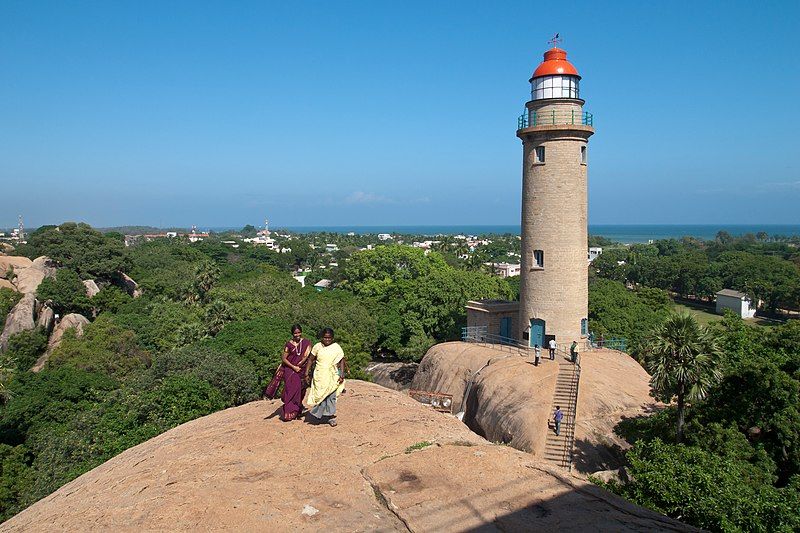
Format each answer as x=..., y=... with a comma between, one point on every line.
x=505, y=329
x=537, y=332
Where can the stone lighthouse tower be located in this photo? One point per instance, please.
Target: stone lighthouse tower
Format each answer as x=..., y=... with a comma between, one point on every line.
x=554, y=269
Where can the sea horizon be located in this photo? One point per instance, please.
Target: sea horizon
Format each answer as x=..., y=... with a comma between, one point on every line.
x=625, y=233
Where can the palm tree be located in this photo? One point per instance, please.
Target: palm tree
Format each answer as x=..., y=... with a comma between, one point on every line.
x=682, y=358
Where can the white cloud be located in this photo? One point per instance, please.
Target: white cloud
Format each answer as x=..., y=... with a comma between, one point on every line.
x=361, y=197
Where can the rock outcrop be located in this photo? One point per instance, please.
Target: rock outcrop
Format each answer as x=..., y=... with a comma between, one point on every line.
x=396, y=376
x=91, y=287
x=510, y=400
x=27, y=274
x=5, y=284
x=391, y=464
x=46, y=319
x=70, y=321
x=10, y=262
x=20, y=318
x=126, y=283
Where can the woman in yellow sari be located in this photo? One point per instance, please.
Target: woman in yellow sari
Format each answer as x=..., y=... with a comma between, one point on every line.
x=328, y=380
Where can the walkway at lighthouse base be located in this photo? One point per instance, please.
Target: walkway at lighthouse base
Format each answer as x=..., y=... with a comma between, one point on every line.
x=391, y=464
x=511, y=400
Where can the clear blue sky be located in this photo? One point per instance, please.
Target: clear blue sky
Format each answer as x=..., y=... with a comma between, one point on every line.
x=338, y=113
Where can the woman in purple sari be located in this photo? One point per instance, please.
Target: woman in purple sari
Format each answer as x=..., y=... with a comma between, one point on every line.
x=295, y=354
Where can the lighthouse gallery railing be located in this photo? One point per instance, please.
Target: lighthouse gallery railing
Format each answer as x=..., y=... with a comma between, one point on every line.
x=555, y=118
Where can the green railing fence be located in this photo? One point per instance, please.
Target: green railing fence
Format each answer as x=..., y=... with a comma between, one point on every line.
x=555, y=118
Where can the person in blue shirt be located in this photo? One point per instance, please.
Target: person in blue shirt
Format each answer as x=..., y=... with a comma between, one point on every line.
x=557, y=417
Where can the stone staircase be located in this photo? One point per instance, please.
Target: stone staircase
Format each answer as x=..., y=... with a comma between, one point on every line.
x=558, y=449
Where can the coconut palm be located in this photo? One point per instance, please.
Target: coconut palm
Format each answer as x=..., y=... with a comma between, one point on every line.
x=682, y=358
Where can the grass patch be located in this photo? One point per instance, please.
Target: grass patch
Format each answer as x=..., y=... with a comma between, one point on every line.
x=463, y=443
x=418, y=446
x=703, y=316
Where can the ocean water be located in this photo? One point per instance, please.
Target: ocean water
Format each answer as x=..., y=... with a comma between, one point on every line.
x=627, y=233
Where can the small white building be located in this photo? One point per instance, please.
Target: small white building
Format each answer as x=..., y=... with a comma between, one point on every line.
x=330, y=247
x=506, y=270
x=384, y=236
x=736, y=301
x=323, y=284
x=594, y=252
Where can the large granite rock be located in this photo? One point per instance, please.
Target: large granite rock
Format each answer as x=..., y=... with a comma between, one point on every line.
x=91, y=287
x=11, y=262
x=70, y=321
x=391, y=464
x=511, y=400
x=5, y=284
x=28, y=274
x=126, y=283
x=397, y=376
x=20, y=318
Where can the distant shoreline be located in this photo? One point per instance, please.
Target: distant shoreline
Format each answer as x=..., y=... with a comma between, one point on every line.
x=625, y=233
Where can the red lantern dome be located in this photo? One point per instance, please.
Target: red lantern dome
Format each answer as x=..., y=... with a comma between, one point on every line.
x=555, y=64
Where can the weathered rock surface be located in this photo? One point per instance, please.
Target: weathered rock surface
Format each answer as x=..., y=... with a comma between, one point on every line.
x=9, y=262
x=46, y=265
x=243, y=470
x=5, y=284
x=20, y=318
x=511, y=400
x=396, y=376
x=70, y=321
x=28, y=274
x=91, y=287
x=127, y=284
x=46, y=319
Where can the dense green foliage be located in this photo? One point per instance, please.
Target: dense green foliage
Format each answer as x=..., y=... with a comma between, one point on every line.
x=615, y=311
x=78, y=247
x=690, y=268
x=421, y=296
x=66, y=292
x=738, y=467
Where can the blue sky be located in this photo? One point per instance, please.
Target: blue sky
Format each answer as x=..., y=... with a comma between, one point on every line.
x=367, y=113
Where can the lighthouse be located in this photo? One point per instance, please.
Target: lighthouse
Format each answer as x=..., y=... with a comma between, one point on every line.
x=555, y=132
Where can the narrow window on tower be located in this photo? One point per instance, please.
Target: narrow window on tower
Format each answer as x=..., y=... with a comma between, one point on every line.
x=584, y=327
x=583, y=155
x=540, y=154
x=538, y=259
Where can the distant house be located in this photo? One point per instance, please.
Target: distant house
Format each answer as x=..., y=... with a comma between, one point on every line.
x=594, y=252
x=384, y=236
x=506, y=270
x=736, y=301
x=323, y=284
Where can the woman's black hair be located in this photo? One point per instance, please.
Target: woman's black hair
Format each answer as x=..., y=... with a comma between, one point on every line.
x=296, y=327
x=325, y=331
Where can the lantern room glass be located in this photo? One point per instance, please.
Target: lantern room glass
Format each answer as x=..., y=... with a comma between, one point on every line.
x=554, y=87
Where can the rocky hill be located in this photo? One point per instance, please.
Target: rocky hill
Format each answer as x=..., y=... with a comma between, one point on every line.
x=391, y=464
x=511, y=401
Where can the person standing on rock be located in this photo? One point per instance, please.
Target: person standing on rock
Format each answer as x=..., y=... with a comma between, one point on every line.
x=295, y=355
x=328, y=379
x=558, y=416
x=552, y=346
x=537, y=355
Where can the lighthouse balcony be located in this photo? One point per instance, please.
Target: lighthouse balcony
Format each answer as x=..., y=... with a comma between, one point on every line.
x=553, y=117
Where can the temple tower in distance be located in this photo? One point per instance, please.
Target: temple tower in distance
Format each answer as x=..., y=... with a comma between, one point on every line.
x=555, y=131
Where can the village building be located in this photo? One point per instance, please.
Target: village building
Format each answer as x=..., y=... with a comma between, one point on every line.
x=736, y=301
x=506, y=270
x=594, y=252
